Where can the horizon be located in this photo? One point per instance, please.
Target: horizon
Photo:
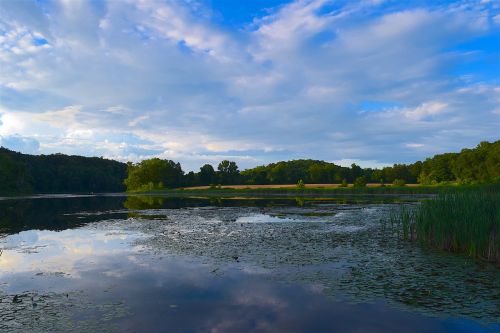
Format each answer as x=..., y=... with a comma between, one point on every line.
x=346, y=163
x=373, y=83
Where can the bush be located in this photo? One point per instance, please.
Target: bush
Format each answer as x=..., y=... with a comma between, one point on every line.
x=360, y=182
x=300, y=184
x=344, y=183
x=399, y=182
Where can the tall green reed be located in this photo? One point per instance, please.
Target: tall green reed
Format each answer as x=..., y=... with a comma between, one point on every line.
x=458, y=221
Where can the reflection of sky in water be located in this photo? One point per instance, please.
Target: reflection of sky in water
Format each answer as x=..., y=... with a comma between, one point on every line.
x=263, y=218
x=60, y=252
x=176, y=293
x=169, y=284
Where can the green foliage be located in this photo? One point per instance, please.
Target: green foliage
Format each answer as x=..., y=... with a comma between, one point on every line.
x=206, y=175
x=465, y=221
x=399, y=182
x=58, y=173
x=257, y=175
x=191, y=179
x=14, y=178
x=228, y=172
x=290, y=172
x=360, y=182
x=344, y=183
x=153, y=174
x=478, y=165
x=300, y=184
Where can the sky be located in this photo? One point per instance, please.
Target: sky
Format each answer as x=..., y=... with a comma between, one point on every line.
x=197, y=81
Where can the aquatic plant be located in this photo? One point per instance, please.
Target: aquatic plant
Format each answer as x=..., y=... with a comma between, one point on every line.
x=465, y=221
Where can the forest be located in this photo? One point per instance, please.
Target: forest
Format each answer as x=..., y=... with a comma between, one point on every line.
x=58, y=173
x=478, y=165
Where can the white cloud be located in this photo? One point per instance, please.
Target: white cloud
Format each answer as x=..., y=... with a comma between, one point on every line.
x=65, y=118
x=130, y=80
x=414, y=145
x=426, y=109
x=347, y=162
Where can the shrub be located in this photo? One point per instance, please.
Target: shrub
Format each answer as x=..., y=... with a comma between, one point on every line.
x=300, y=184
x=360, y=182
x=399, y=182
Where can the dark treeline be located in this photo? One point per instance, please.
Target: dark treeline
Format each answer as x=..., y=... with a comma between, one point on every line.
x=478, y=165
x=21, y=173
x=58, y=173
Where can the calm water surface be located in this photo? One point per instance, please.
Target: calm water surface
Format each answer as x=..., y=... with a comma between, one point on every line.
x=156, y=264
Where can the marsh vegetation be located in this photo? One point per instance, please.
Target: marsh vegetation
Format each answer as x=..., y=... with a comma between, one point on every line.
x=462, y=220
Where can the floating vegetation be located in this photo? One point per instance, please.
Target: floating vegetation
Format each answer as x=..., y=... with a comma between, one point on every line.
x=58, y=312
x=338, y=247
x=350, y=254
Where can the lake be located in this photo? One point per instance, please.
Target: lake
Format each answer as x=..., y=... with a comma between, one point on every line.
x=154, y=264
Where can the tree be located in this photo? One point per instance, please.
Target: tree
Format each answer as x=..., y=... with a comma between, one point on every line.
x=207, y=175
x=14, y=177
x=278, y=173
x=257, y=175
x=356, y=171
x=321, y=173
x=153, y=174
x=59, y=173
x=191, y=179
x=360, y=182
x=228, y=172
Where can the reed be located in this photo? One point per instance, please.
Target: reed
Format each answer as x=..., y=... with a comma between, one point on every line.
x=459, y=221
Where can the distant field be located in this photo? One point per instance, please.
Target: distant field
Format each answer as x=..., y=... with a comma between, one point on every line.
x=240, y=187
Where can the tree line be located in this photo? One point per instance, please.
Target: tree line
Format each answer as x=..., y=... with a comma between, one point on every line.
x=478, y=165
x=58, y=173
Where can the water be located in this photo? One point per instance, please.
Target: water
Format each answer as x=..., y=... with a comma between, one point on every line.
x=112, y=263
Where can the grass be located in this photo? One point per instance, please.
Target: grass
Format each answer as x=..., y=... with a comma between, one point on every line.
x=292, y=190
x=465, y=220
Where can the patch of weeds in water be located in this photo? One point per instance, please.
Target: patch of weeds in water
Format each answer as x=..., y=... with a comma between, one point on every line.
x=461, y=221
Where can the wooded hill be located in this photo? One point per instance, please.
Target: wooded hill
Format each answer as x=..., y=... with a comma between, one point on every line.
x=58, y=173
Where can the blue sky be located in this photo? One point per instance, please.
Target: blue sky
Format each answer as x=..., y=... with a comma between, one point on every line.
x=373, y=82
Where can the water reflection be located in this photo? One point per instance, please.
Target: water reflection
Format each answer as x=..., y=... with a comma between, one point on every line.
x=150, y=263
x=52, y=213
x=123, y=289
x=60, y=253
